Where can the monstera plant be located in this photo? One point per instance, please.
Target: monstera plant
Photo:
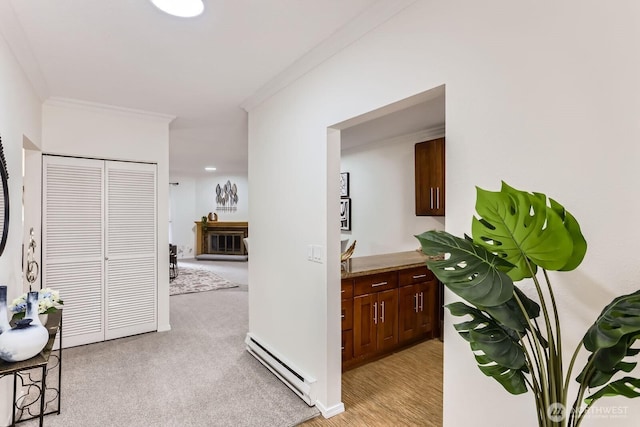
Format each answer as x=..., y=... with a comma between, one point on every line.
x=515, y=339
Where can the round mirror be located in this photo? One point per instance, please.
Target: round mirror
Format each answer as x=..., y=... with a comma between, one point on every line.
x=4, y=200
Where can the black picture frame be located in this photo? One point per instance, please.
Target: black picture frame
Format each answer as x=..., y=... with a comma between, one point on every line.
x=344, y=184
x=345, y=214
x=4, y=203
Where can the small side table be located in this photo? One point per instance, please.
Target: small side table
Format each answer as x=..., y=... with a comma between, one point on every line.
x=30, y=377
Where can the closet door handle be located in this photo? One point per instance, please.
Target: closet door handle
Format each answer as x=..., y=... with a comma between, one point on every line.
x=437, y=197
x=415, y=305
x=382, y=317
x=421, y=301
x=431, y=197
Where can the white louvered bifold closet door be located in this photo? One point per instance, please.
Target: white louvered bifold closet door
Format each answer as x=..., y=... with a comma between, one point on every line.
x=131, y=249
x=99, y=246
x=73, y=243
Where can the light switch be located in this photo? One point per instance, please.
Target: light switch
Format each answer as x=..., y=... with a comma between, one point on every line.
x=317, y=253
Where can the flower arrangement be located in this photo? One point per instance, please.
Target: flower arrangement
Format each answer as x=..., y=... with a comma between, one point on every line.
x=48, y=302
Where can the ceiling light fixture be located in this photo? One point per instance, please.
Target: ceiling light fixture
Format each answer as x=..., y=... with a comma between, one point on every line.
x=181, y=8
x=210, y=168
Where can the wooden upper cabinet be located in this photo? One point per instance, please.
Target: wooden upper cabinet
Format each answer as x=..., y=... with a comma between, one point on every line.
x=429, y=172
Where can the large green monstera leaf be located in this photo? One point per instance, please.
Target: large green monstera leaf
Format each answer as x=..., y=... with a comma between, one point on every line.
x=467, y=269
x=610, y=339
x=496, y=348
x=522, y=229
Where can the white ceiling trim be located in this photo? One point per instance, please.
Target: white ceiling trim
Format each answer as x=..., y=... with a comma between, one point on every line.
x=105, y=108
x=17, y=41
x=371, y=18
x=420, y=136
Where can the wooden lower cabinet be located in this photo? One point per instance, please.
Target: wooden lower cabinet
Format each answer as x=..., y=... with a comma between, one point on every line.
x=389, y=310
x=417, y=304
x=375, y=322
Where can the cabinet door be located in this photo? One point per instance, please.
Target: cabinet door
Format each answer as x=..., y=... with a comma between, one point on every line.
x=365, y=308
x=347, y=345
x=426, y=315
x=387, y=320
x=429, y=176
x=408, y=312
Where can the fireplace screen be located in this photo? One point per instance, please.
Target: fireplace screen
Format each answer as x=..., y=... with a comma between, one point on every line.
x=226, y=242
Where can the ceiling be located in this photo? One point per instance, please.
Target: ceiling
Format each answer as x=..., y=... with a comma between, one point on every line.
x=201, y=70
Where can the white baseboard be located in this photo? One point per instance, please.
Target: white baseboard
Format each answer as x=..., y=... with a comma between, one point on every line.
x=330, y=412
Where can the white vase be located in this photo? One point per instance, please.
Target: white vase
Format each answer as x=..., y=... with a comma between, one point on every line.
x=28, y=338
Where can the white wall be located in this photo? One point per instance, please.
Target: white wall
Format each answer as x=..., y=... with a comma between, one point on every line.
x=183, y=214
x=193, y=198
x=544, y=95
x=382, y=193
x=206, y=197
x=77, y=128
x=20, y=116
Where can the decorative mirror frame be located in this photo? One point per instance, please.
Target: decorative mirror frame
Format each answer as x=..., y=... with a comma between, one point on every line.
x=4, y=175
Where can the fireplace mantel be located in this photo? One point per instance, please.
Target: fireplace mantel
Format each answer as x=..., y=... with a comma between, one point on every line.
x=204, y=231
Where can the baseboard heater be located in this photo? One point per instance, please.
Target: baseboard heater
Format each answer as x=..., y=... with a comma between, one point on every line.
x=301, y=384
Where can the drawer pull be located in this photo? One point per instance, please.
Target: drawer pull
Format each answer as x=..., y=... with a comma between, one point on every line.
x=342, y=316
x=419, y=276
x=343, y=291
x=342, y=348
x=375, y=285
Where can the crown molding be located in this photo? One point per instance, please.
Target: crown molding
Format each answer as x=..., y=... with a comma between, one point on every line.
x=422, y=135
x=106, y=108
x=371, y=18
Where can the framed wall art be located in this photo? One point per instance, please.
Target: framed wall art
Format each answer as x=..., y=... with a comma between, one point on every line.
x=345, y=214
x=344, y=184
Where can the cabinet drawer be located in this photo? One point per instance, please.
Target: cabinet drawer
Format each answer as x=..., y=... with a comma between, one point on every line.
x=375, y=283
x=347, y=314
x=347, y=289
x=414, y=275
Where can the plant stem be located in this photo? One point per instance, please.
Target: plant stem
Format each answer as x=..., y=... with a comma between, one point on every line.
x=551, y=365
x=556, y=316
x=568, y=377
x=543, y=395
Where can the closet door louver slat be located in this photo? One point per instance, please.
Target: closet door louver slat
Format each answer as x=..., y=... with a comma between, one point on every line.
x=73, y=243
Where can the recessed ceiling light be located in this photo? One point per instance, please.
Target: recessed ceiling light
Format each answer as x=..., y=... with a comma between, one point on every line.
x=181, y=8
x=209, y=168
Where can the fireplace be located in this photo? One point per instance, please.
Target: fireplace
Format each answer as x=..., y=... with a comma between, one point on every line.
x=221, y=240
x=226, y=242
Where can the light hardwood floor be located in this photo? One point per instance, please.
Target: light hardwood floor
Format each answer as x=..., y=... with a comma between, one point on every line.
x=403, y=389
